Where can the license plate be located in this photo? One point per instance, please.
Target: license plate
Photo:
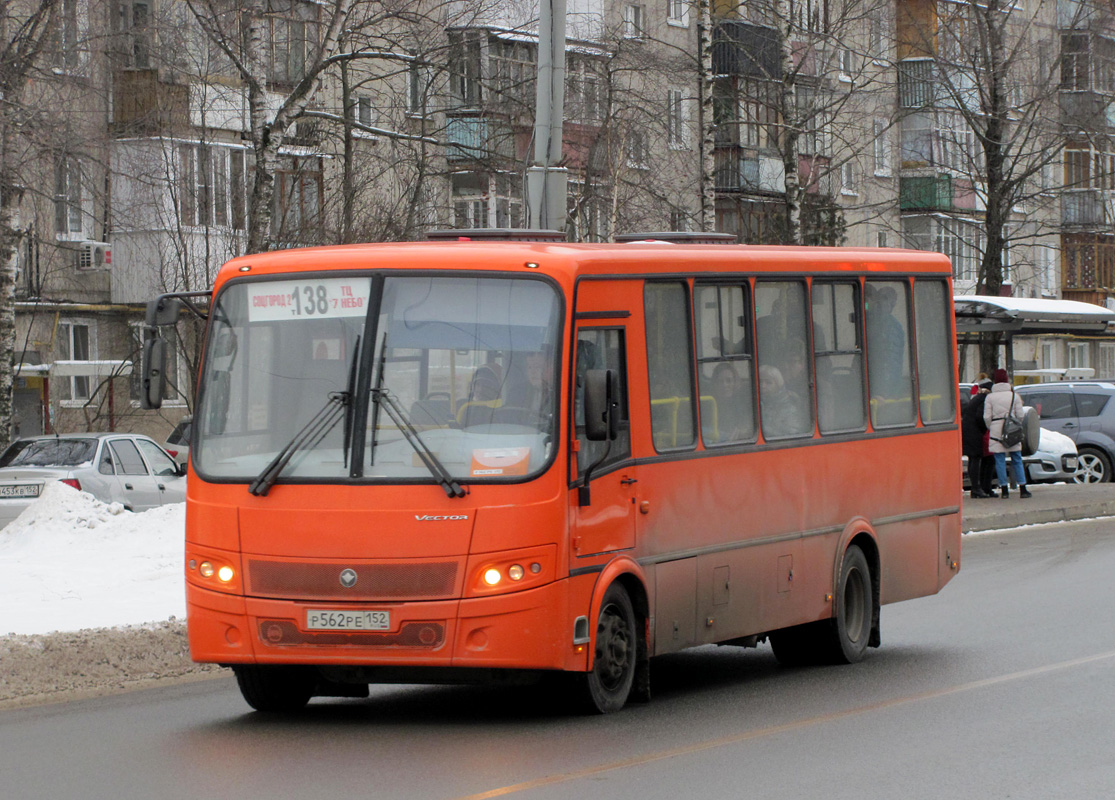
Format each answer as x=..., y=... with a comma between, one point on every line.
x=327, y=620
x=22, y=490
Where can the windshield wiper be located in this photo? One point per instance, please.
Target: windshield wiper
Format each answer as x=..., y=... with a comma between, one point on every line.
x=383, y=399
x=311, y=434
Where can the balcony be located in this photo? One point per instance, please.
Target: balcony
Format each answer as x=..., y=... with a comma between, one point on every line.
x=739, y=48
x=1087, y=207
x=735, y=172
x=145, y=105
x=916, y=85
x=467, y=138
x=933, y=193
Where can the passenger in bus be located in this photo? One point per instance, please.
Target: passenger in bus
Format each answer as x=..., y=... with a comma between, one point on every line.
x=532, y=391
x=485, y=384
x=886, y=344
x=783, y=412
x=734, y=415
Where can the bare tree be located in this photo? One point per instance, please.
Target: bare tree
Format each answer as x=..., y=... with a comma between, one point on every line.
x=27, y=28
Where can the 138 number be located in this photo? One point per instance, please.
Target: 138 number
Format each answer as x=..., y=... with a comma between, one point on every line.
x=309, y=300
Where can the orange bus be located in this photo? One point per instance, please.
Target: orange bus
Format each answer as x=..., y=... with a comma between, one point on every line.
x=497, y=460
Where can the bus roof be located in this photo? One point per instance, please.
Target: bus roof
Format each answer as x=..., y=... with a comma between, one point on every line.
x=566, y=261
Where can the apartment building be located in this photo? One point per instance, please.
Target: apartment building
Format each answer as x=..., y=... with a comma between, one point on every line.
x=860, y=127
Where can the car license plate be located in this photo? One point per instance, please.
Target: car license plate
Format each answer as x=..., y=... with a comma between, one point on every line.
x=332, y=620
x=21, y=490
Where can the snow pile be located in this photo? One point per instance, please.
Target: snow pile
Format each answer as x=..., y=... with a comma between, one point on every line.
x=71, y=562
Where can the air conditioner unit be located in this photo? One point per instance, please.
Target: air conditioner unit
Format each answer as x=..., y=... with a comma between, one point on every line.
x=94, y=255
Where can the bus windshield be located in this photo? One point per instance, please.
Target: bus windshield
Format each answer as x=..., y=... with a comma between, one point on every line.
x=467, y=363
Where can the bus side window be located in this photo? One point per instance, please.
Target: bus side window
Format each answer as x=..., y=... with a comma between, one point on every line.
x=669, y=366
x=935, y=384
x=726, y=369
x=601, y=348
x=889, y=374
x=781, y=322
x=838, y=357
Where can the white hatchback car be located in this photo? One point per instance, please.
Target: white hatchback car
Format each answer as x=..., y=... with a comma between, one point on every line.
x=124, y=468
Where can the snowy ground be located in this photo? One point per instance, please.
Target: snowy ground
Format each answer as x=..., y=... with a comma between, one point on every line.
x=72, y=562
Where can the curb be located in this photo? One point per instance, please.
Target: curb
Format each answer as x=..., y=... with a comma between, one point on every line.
x=1038, y=517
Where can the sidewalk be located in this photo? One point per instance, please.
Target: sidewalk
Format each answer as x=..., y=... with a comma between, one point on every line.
x=1054, y=502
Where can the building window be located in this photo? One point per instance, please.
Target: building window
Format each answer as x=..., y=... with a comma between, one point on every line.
x=877, y=44
x=298, y=191
x=364, y=112
x=68, y=199
x=290, y=36
x=133, y=23
x=634, y=21
x=1078, y=355
x=1074, y=61
x=419, y=87
x=961, y=241
x=848, y=179
x=211, y=188
x=513, y=69
x=676, y=128
x=67, y=56
x=1048, y=360
x=677, y=13
x=74, y=343
x=487, y=201
x=846, y=60
x=881, y=148
x=465, y=55
x=1106, y=366
x=586, y=101
x=638, y=155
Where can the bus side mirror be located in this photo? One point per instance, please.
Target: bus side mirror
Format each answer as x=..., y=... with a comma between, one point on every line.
x=162, y=311
x=153, y=378
x=601, y=405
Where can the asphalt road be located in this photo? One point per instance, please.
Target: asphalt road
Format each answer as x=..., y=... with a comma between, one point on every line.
x=1003, y=686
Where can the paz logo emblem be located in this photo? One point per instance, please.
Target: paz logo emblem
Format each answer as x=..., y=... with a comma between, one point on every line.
x=348, y=578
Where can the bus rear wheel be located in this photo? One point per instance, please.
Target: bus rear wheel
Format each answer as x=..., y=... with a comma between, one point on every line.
x=607, y=685
x=842, y=639
x=850, y=627
x=275, y=689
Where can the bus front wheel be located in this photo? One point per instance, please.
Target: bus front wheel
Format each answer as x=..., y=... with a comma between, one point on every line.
x=607, y=685
x=275, y=689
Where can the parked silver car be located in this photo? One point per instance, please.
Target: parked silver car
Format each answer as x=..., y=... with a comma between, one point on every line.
x=124, y=468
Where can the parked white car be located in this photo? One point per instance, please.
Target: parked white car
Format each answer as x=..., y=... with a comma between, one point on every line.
x=124, y=468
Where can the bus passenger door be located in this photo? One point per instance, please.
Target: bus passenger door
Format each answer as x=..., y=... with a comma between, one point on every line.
x=607, y=522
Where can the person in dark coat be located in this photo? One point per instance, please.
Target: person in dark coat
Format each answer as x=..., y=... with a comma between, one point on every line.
x=973, y=430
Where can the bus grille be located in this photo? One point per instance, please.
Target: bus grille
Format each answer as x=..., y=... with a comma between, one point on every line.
x=423, y=581
x=283, y=632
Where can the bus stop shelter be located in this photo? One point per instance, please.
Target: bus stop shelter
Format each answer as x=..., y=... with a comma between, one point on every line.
x=1025, y=316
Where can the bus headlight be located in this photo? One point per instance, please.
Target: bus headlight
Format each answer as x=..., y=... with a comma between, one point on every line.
x=224, y=574
x=512, y=571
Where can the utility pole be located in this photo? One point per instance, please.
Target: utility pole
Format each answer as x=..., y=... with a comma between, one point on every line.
x=547, y=183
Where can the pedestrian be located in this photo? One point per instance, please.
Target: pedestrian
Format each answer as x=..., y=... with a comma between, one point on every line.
x=999, y=403
x=973, y=430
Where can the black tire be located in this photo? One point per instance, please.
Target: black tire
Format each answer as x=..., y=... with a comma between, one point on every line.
x=850, y=627
x=1095, y=466
x=275, y=689
x=607, y=685
x=844, y=638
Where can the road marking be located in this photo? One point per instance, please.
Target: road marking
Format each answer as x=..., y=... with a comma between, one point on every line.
x=775, y=730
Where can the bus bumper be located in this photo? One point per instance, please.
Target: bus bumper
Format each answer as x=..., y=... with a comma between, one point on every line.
x=531, y=629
